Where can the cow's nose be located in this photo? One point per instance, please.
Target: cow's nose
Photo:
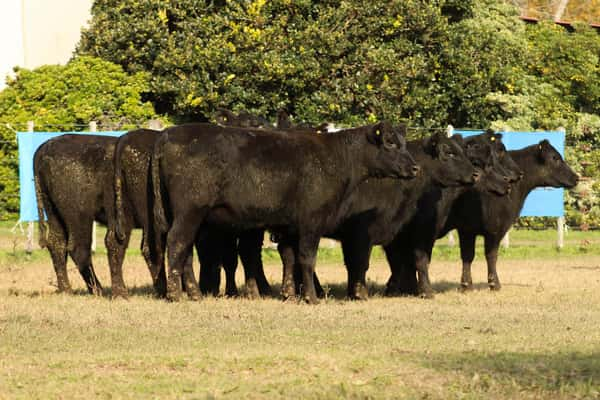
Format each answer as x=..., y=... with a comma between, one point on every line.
x=506, y=178
x=476, y=176
x=415, y=170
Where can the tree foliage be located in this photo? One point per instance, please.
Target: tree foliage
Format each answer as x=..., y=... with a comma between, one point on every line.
x=66, y=98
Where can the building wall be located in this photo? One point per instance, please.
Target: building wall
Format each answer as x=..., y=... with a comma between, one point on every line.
x=38, y=32
x=51, y=29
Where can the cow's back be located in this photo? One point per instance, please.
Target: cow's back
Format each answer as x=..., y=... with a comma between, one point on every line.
x=132, y=159
x=76, y=172
x=249, y=175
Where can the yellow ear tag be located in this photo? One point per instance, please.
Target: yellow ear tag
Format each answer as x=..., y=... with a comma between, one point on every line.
x=493, y=139
x=318, y=132
x=377, y=132
x=224, y=118
x=540, y=147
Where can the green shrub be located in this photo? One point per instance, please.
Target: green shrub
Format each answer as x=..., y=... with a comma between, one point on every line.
x=66, y=98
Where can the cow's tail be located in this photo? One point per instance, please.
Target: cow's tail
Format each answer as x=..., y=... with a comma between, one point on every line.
x=118, y=188
x=160, y=218
x=39, y=196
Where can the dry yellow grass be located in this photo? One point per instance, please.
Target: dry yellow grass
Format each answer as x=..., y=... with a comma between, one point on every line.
x=537, y=338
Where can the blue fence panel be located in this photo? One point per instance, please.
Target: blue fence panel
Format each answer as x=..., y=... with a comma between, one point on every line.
x=541, y=202
x=28, y=143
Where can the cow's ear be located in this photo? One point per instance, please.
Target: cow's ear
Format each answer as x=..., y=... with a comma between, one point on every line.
x=321, y=128
x=543, y=145
x=458, y=139
x=497, y=136
x=224, y=116
x=432, y=142
x=379, y=132
x=283, y=120
x=401, y=129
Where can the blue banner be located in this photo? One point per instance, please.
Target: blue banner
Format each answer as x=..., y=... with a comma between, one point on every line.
x=28, y=143
x=541, y=202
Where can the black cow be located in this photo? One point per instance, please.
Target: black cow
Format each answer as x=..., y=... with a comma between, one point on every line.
x=221, y=247
x=378, y=209
x=132, y=207
x=480, y=213
x=247, y=179
x=73, y=182
x=411, y=249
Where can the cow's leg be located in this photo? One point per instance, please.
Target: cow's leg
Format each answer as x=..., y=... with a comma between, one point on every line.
x=116, y=254
x=298, y=281
x=308, y=246
x=467, y=254
x=492, y=243
x=422, y=266
x=250, y=247
x=288, y=258
x=152, y=250
x=356, y=258
x=210, y=249
x=81, y=253
x=57, y=246
x=180, y=241
x=230, y=263
x=188, y=281
x=403, y=280
x=157, y=250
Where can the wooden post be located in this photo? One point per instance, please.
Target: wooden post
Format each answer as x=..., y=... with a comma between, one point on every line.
x=29, y=245
x=506, y=240
x=560, y=226
x=93, y=127
x=155, y=124
x=560, y=221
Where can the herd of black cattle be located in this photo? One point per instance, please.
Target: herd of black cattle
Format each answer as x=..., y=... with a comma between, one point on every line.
x=218, y=187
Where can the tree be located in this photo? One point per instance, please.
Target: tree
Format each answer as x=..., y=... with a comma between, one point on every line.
x=86, y=89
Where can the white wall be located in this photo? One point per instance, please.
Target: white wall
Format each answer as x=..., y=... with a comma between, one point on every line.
x=38, y=32
x=11, y=44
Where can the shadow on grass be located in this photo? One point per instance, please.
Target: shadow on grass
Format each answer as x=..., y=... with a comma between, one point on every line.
x=562, y=371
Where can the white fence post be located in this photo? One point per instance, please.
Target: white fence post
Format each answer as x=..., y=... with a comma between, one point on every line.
x=560, y=227
x=92, y=128
x=560, y=221
x=29, y=245
x=506, y=240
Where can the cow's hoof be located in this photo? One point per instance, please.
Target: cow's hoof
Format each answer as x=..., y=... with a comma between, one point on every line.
x=232, y=293
x=428, y=294
x=288, y=291
x=173, y=296
x=360, y=292
x=252, y=291
x=66, y=289
x=96, y=291
x=120, y=294
x=466, y=287
x=265, y=291
x=495, y=286
x=313, y=300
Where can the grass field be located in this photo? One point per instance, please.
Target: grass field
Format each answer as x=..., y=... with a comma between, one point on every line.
x=537, y=338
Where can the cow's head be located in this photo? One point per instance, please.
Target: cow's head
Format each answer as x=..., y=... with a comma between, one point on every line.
x=481, y=151
x=512, y=170
x=554, y=170
x=451, y=166
x=392, y=160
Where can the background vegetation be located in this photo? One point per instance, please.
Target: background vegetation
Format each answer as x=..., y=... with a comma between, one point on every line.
x=467, y=63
